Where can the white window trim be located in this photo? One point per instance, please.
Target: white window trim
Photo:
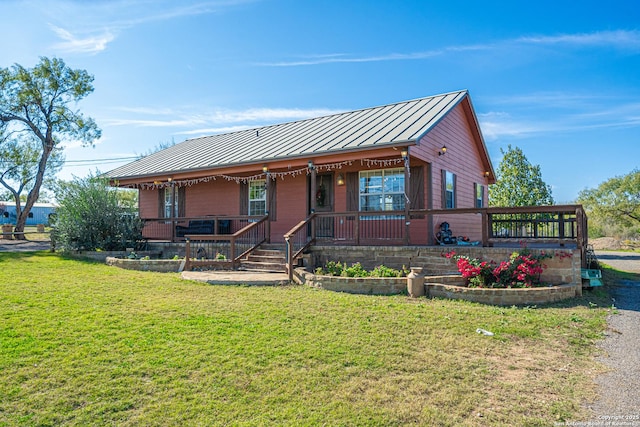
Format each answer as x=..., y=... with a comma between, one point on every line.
x=263, y=199
x=383, y=175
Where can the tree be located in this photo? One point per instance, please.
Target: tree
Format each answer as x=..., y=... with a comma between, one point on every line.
x=35, y=107
x=518, y=182
x=93, y=215
x=18, y=167
x=615, y=201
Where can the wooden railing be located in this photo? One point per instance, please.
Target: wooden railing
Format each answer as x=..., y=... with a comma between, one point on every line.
x=561, y=225
x=224, y=250
x=297, y=240
x=164, y=229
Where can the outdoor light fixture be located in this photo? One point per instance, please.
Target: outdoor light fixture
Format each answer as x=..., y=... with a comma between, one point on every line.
x=310, y=164
x=340, y=180
x=265, y=169
x=404, y=153
x=169, y=179
x=442, y=151
x=487, y=173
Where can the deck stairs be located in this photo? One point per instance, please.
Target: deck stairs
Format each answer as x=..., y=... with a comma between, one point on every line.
x=267, y=258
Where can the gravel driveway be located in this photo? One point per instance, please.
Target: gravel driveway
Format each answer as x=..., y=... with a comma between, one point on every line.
x=619, y=389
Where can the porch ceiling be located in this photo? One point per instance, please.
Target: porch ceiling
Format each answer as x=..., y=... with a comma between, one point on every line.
x=376, y=127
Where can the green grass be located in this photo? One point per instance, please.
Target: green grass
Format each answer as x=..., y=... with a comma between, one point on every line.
x=86, y=344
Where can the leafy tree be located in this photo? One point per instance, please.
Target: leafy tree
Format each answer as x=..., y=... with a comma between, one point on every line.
x=615, y=201
x=36, y=107
x=93, y=215
x=18, y=167
x=518, y=182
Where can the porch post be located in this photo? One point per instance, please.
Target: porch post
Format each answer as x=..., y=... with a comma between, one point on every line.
x=268, y=191
x=407, y=201
x=312, y=197
x=173, y=210
x=312, y=194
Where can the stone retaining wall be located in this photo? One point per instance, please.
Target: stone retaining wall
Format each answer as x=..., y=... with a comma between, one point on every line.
x=451, y=287
x=508, y=297
x=161, y=265
x=560, y=269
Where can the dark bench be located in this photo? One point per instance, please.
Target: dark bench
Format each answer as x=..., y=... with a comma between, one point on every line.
x=203, y=226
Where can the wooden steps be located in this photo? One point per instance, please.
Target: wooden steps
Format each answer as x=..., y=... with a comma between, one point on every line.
x=267, y=258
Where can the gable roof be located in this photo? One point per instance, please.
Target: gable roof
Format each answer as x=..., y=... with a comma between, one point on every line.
x=384, y=126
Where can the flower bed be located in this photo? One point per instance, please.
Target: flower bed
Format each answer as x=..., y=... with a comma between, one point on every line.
x=522, y=270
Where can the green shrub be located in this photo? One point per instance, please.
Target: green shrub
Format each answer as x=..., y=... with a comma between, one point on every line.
x=94, y=216
x=336, y=268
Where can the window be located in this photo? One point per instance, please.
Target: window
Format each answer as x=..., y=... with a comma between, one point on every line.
x=258, y=197
x=449, y=189
x=479, y=195
x=382, y=190
x=168, y=203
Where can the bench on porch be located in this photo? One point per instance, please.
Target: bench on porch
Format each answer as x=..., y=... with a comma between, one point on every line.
x=203, y=226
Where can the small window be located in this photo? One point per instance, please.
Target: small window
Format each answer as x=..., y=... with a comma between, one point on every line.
x=258, y=197
x=30, y=215
x=168, y=202
x=479, y=195
x=382, y=190
x=449, y=190
x=6, y=214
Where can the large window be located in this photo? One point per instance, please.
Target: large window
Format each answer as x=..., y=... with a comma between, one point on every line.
x=258, y=197
x=382, y=190
x=479, y=195
x=168, y=202
x=449, y=189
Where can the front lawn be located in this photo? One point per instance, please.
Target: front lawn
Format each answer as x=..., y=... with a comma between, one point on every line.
x=86, y=344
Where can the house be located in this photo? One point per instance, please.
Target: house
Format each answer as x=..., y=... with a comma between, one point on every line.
x=426, y=153
x=39, y=213
x=391, y=175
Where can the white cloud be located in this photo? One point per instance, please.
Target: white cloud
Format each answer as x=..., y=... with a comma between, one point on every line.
x=72, y=44
x=216, y=121
x=77, y=21
x=620, y=39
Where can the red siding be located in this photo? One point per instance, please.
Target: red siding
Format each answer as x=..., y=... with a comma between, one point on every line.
x=464, y=157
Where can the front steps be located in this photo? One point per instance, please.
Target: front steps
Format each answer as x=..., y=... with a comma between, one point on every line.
x=267, y=258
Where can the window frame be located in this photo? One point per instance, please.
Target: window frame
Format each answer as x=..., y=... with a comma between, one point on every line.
x=448, y=179
x=397, y=190
x=169, y=194
x=479, y=195
x=255, y=201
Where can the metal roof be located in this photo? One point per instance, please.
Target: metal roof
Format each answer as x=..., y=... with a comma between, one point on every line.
x=368, y=128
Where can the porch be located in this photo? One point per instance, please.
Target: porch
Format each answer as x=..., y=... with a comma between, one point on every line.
x=235, y=237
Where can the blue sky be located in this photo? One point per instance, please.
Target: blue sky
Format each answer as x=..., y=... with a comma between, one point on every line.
x=559, y=79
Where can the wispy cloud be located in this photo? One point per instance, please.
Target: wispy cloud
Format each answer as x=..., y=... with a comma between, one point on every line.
x=213, y=121
x=75, y=23
x=73, y=44
x=551, y=118
x=345, y=58
x=619, y=39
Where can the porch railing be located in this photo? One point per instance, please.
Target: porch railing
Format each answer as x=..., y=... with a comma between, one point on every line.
x=224, y=250
x=561, y=225
x=164, y=229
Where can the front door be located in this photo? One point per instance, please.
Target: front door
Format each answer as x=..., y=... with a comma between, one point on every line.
x=323, y=194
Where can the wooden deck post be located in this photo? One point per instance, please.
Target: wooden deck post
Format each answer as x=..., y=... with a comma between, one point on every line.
x=407, y=201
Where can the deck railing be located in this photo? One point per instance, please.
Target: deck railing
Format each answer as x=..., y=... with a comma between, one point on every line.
x=561, y=225
x=224, y=250
x=164, y=229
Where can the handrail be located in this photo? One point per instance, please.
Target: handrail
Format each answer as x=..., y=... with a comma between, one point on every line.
x=294, y=235
x=233, y=240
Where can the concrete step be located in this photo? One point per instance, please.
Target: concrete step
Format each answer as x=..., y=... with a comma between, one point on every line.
x=262, y=266
x=267, y=258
